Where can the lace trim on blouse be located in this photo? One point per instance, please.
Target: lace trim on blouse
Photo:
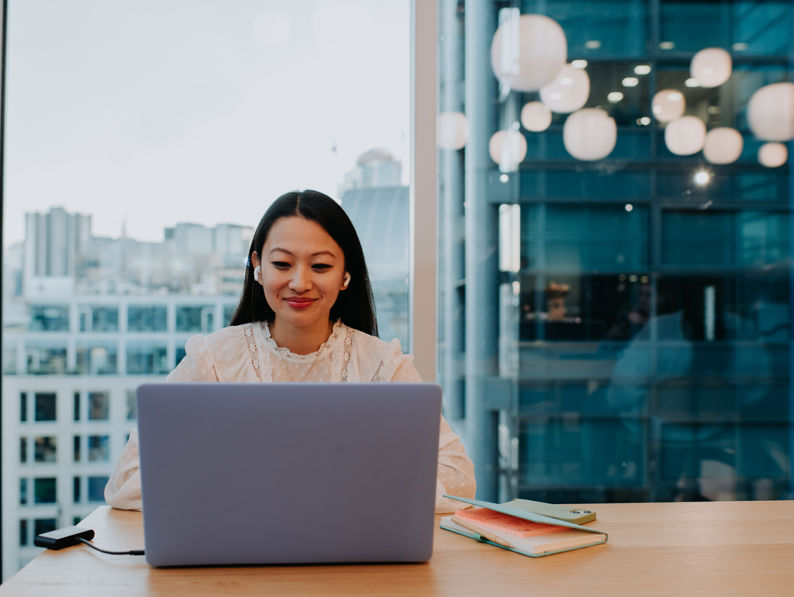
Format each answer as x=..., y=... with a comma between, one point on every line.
x=262, y=347
x=286, y=353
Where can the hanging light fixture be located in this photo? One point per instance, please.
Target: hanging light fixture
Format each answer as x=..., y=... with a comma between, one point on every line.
x=535, y=116
x=508, y=148
x=685, y=135
x=527, y=52
x=589, y=134
x=668, y=104
x=770, y=112
x=723, y=145
x=452, y=131
x=568, y=91
x=711, y=67
x=772, y=155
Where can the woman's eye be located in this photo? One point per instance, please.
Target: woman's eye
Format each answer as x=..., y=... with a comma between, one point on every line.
x=279, y=264
x=320, y=267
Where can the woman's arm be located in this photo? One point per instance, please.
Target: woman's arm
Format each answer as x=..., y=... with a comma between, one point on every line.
x=455, y=468
x=123, y=489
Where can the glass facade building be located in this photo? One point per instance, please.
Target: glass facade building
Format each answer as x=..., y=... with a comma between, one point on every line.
x=619, y=328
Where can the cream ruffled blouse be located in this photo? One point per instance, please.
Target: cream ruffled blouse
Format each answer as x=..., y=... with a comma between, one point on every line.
x=247, y=353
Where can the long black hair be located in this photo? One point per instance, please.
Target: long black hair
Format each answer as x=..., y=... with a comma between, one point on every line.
x=354, y=306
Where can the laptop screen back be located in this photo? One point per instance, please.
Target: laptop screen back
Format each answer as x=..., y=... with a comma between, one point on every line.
x=288, y=473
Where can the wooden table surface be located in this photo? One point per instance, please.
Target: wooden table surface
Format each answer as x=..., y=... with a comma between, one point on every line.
x=674, y=549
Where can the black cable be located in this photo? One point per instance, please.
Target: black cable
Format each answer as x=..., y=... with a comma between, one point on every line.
x=132, y=552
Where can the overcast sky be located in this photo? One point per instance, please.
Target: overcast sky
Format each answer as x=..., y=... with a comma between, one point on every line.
x=152, y=112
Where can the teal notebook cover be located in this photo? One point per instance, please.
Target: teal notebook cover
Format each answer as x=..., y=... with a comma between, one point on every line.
x=519, y=545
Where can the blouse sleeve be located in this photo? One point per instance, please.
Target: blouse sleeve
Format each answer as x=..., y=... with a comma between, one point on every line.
x=455, y=468
x=123, y=489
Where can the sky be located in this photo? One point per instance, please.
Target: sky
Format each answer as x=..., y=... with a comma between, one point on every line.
x=150, y=112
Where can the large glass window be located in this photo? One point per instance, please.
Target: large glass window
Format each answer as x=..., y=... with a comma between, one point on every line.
x=615, y=272
x=130, y=196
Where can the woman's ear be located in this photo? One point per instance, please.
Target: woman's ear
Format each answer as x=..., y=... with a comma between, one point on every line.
x=257, y=267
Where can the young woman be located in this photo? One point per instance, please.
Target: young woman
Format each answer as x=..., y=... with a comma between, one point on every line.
x=306, y=314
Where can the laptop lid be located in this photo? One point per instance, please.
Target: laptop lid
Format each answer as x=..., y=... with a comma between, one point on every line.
x=288, y=473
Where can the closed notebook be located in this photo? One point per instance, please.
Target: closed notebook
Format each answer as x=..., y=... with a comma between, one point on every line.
x=522, y=531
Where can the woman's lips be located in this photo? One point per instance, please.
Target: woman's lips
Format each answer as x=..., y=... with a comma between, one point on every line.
x=299, y=303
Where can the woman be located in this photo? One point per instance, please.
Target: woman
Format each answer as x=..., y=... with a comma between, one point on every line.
x=306, y=314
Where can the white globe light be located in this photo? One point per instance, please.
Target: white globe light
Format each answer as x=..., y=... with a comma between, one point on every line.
x=453, y=130
x=772, y=155
x=668, y=104
x=711, y=67
x=770, y=112
x=685, y=135
x=589, y=134
x=535, y=116
x=508, y=149
x=527, y=52
x=723, y=145
x=568, y=91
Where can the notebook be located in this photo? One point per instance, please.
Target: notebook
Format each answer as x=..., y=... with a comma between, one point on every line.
x=520, y=528
x=288, y=473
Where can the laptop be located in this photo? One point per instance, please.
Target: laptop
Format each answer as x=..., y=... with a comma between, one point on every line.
x=288, y=473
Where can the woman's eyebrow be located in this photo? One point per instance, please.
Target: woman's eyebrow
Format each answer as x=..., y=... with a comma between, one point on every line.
x=315, y=254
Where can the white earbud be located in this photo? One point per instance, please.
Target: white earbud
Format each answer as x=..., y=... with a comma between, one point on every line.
x=257, y=272
x=346, y=280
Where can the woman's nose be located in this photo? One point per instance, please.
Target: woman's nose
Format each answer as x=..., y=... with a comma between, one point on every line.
x=301, y=280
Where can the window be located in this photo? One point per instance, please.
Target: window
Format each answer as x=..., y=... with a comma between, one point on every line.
x=23, y=450
x=23, y=532
x=49, y=318
x=43, y=525
x=145, y=358
x=76, y=489
x=45, y=449
x=98, y=406
x=99, y=319
x=132, y=405
x=49, y=359
x=44, y=406
x=198, y=319
x=97, y=359
x=23, y=491
x=96, y=488
x=147, y=319
x=44, y=490
x=100, y=286
x=99, y=448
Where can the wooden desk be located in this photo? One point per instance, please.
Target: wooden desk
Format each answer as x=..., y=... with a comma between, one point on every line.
x=678, y=549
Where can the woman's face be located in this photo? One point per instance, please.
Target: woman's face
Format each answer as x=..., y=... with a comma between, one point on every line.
x=302, y=272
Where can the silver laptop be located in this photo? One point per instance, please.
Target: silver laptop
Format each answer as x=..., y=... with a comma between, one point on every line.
x=288, y=473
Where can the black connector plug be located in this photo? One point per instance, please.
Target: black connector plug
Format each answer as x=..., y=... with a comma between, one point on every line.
x=64, y=537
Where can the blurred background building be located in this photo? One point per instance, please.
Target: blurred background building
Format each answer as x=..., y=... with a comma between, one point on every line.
x=616, y=254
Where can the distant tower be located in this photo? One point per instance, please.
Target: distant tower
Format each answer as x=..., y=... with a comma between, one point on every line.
x=374, y=168
x=53, y=241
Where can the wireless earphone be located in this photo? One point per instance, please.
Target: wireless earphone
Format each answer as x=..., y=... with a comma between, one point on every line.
x=257, y=272
x=346, y=280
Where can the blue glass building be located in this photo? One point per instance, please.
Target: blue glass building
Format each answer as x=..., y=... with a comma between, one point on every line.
x=624, y=333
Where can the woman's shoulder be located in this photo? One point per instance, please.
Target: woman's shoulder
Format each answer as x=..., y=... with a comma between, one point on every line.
x=373, y=343
x=381, y=360
x=219, y=339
